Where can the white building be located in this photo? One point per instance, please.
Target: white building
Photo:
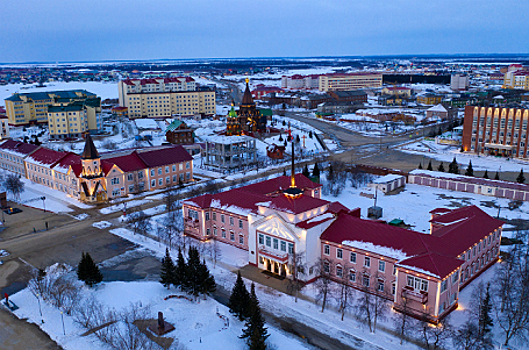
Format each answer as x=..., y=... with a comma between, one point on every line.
x=459, y=82
x=389, y=183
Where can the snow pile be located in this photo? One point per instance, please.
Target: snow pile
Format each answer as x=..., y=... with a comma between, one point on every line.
x=381, y=250
x=81, y=216
x=102, y=224
x=215, y=203
x=123, y=206
x=320, y=218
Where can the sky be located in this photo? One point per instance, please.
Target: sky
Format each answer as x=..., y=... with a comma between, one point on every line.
x=95, y=30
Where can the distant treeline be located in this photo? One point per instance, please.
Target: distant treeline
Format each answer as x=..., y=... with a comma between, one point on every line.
x=413, y=78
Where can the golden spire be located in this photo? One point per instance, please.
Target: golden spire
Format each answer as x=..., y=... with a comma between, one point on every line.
x=247, y=80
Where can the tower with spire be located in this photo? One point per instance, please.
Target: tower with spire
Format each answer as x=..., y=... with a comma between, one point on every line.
x=92, y=179
x=248, y=119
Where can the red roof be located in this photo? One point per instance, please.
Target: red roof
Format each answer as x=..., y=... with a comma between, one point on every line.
x=281, y=183
x=440, y=211
x=165, y=156
x=230, y=201
x=432, y=263
x=267, y=88
x=22, y=148
x=70, y=160
x=130, y=162
x=45, y=156
x=296, y=205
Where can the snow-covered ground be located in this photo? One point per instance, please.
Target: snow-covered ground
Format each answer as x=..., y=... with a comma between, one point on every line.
x=123, y=206
x=102, y=89
x=446, y=153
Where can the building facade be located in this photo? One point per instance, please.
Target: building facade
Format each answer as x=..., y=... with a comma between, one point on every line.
x=178, y=133
x=12, y=155
x=283, y=222
x=165, y=97
x=247, y=119
x=459, y=82
x=497, y=131
x=226, y=153
x=516, y=77
x=297, y=82
x=349, y=81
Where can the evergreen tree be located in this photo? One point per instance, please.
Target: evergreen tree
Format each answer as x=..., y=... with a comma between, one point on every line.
x=255, y=331
x=453, y=168
x=192, y=272
x=88, y=271
x=420, y=166
x=298, y=140
x=330, y=173
x=441, y=167
x=167, y=270
x=316, y=171
x=306, y=171
x=485, y=320
x=179, y=275
x=520, y=178
x=284, y=172
x=430, y=168
x=469, y=171
x=310, y=134
x=207, y=281
x=239, y=302
x=497, y=176
x=486, y=175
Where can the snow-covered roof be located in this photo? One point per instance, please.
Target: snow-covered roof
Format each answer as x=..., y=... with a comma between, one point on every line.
x=227, y=140
x=388, y=178
x=437, y=108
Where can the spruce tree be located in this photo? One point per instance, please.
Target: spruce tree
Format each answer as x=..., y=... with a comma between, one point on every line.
x=284, y=172
x=306, y=171
x=441, y=167
x=486, y=175
x=497, y=176
x=485, y=320
x=207, y=281
x=520, y=178
x=453, y=168
x=430, y=167
x=167, y=270
x=310, y=134
x=469, y=171
x=316, y=171
x=193, y=272
x=179, y=275
x=88, y=271
x=330, y=173
x=239, y=302
x=420, y=166
x=255, y=331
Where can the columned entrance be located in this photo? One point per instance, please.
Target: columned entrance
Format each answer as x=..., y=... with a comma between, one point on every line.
x=275, y=267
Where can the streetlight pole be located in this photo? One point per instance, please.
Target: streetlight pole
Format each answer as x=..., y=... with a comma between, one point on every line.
x=43, y=202
x=62, y=319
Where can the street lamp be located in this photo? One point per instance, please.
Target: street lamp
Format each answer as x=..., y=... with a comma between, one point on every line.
x=43, y=202
x=62, y=319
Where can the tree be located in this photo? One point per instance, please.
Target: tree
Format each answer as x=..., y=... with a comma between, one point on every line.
x=420, y=166
x=467, y=338
x=316, y=171
x=469, y=171
x=430, y=168
x=345, y=294
x=330, y=173
x=207, y=281
x=87, y=271
x=323, y=268
x=371, y=306
x=441, y=167
x=520, y=178
x=295, y=284
x=179, y=275
x=284, y=172
x=306, y=171
x=486, y=175
x=255, y=332
x=310, y=134
x=453, y=167
x=13, y=184
x=239, y=303
x=192, y=280
x=402, y=321
x=141, y=223
x=167, y=270
x=485, y=322
x=434, y=337
x=497, y=176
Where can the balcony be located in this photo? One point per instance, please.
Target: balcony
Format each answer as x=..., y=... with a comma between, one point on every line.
x=420, y=297
x=274, y=255
x=191, y=223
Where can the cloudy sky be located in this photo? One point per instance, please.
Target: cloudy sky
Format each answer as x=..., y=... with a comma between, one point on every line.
x=88, y=30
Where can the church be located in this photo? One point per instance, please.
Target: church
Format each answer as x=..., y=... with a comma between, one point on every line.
x=248, y=119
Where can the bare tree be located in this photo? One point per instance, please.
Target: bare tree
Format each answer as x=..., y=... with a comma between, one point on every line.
x=295, y=283
x=345, y=293
x=467, y=337
x=14, y=184
x=215, y=252
x=401, y=320
x=434, y=337
x=128, y=336
x=372, y=304
x=141, y=223
x=87, y=312
x=324, y=269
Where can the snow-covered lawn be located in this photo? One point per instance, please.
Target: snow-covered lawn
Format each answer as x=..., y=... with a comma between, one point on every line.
x=122, y=206
x=101, y=89
x=446, y=154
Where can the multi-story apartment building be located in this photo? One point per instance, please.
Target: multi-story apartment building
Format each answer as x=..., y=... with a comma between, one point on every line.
x=23, y=109
x=498, y=131
x=300, y=81
x=349, y=81
x=4, y=126
x=12, y=155
x=74, y=119
x=516, y=77
x=283, y=222
x=459, y=82
x=164, y=97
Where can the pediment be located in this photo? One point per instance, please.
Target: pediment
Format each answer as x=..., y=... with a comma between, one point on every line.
x=275, y=226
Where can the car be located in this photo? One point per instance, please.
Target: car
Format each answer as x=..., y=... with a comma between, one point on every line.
x=10, y=211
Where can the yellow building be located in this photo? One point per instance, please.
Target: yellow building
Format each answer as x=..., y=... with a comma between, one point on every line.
x=397, y=91
x=73, y=119
x=349, y=81
x=165, y=97
x=516, y=80
x=429, y=99
x=32, y=108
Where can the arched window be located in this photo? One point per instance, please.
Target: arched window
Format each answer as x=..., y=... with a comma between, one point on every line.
x=339, y=271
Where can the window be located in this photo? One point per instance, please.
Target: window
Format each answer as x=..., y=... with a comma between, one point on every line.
x=352, y=276
x=394, y=270
x=276, y=243
x=326, y=249
x=207, y=216
x=382, y=266
x=130, y=177
x=159, y=171
x=353, y=258
x=214, y=216
x=232, y=236
x=444, y=285
x=326, y=267
x=188, y=165
x=380, y=286
x=140, y=175
x=268, y=241
x=367, y=261
x=231, y=220
x=131, y=188
x=114, y=181
x=167, y=180
x=214, y=231
x=174, y=167
x=283, y=246
x=417, y=283
x=222, y=218
x=208, y=232
x=339, y=253
x=365, y=280
x=291, y=248
x=455, y=277
x=339, y=271
x=261, y=238
x=166, y=169
x=152, y=172
x=393, y=288
x=240, y=223
x=241, y=239
x=160, y=182
x=175, y=178
x=223, y=233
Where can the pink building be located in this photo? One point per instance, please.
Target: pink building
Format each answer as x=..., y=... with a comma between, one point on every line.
x=12, y=155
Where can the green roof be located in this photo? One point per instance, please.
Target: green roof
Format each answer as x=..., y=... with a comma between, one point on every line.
x=266, y=112
x=396, y=222
x=174, y=125
x=14, y=98
x=232, y=113
x=47, y=95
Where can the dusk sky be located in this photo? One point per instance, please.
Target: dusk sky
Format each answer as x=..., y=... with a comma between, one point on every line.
x=60, y=30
